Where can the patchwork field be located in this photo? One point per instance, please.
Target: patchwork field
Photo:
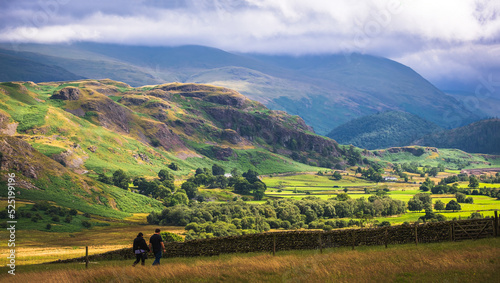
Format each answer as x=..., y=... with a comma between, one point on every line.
x=304, y=185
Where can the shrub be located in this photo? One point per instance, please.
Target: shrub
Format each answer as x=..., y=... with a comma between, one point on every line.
x=384, y=224
x=171, y=237
x=86, y=224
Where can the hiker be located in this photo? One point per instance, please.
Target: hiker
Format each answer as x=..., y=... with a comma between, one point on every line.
x=156, y=244
x=140, y=249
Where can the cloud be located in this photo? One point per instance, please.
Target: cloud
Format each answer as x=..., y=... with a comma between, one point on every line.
x=416, y=32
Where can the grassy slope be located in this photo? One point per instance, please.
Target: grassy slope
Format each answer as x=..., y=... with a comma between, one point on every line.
x=51, y=130
x=468, y=261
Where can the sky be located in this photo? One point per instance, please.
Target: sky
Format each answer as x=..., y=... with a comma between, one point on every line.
x=444, y=40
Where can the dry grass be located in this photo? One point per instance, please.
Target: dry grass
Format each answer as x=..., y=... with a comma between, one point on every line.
x=33, y=247
x=477, y=261
x=25, y=256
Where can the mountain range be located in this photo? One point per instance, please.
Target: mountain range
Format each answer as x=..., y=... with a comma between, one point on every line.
x=325, y=90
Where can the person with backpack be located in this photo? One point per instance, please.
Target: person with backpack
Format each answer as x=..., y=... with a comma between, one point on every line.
x=140, y=249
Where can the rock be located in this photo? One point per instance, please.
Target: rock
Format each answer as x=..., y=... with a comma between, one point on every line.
x=69, y=159
x=231, y=136
x=67, y=93
x=92, y=148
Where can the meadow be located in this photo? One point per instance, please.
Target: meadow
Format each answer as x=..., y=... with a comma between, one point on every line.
x=299, y=186
x=467, y=261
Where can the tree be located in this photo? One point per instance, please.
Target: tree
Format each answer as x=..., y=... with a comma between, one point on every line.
x=251, y=176
x=179, y=198
x=336, y=175
x=473, y=182
x=221, y=182
x=460, y=197
x=165, y=175
x=190, y=188
x=427, y=185
x=120, y=179
x=343, y=197
x=235, y=172
x=453, y=205
x=242, y=186
x=217, y=170
x=259, y=190
x=433, y=172
x=439, y=205
x=105, y=179
x=174, y=166
x=415, y=204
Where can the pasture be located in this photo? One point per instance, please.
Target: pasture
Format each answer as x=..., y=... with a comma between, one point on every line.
x=303, y=185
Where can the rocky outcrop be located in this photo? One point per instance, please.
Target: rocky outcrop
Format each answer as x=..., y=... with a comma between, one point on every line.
x=67, y=93
x=416, y=151
x=109, y=114
x=274, y=130
x=231, y=136
x=213, y=94
x=69, y=159
x=18, y=155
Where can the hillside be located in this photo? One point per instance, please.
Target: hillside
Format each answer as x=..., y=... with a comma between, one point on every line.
x=325, y=90
x=57, y=135
x=15, y=68
x=383, y=130
x=479, y=137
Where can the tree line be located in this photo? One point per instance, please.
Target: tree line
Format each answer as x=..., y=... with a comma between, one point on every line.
x=203, y=220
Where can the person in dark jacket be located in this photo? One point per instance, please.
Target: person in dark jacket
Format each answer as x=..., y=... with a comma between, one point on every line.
x=140, y=249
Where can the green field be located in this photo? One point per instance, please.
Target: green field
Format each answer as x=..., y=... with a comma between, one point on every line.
x=304, y=185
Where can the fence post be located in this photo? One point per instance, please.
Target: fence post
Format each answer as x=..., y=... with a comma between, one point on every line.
x=416, y=235
x=274, y=244
x=86, y=256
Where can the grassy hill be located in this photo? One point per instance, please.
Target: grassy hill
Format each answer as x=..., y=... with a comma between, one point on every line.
x=58, y=136
x=383, y=130
x=479, y=137
x=325, y=90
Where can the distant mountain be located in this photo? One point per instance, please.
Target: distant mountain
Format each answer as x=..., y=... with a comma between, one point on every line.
x=479, y=137
x=15, y=68
x=383, y=130
x=325, y=90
